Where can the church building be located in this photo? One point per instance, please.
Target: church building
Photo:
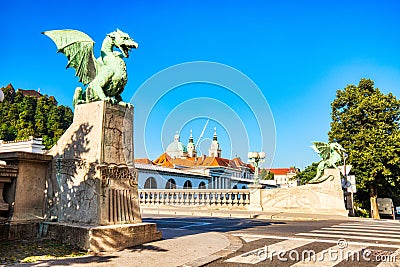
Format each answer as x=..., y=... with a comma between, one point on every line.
x=212, y=170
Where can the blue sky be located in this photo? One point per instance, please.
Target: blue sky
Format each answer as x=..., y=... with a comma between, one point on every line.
x=298, y=53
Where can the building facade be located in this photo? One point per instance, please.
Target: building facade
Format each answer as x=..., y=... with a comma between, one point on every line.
x=33, y=145
x=182, y=164
x=284, y=177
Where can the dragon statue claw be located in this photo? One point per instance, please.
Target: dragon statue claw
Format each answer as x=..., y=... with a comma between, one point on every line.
x=105, y=76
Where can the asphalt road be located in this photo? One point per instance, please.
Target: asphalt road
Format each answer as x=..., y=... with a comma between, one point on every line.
x=295, y=243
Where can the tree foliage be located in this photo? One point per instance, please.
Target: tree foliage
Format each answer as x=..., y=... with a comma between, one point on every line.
x=266, y=175
x=23, y=116
x=365, y=122
x=307, y=174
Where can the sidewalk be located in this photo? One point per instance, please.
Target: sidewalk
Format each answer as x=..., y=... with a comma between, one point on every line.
x=191, y=250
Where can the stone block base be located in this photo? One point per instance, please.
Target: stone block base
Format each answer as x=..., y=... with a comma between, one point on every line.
x=102, y=238
x=18, y=231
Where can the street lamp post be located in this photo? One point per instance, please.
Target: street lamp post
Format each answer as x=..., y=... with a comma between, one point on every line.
x=255, y=158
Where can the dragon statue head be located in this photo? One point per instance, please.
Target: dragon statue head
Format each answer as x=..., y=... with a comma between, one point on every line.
x=123, y=41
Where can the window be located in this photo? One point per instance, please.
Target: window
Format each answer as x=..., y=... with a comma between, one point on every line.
x=171, y=184
x=150, y=183
x=187, y=185
x=202, y=185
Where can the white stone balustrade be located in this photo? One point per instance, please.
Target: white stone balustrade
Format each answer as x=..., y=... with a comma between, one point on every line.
x=200, y=198
x=323, y=198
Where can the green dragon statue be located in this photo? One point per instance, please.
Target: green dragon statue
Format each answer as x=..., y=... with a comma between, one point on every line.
x=106, y=77
x=330, y=154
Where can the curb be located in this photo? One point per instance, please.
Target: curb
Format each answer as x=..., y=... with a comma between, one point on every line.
x=235, y=243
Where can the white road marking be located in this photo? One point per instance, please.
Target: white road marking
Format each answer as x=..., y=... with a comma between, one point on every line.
x=195, y=224
x=345, y=228
x=318, y=240
x=248, y=239
x=353, y=233
x=348, y=231
x=372, y=226
x=267, y=252
x=344, y=235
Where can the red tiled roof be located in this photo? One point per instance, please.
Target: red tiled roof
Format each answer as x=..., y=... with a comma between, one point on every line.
x=144, y=161
x=32, y=93
x=282, y=171
x=164, y=160
x=251, y=167
x=203, y=161
x=10, y=87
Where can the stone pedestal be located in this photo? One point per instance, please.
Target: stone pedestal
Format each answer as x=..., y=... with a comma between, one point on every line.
x=22, y=185
x=92, y=180
x=255, y=197
x=102, y=238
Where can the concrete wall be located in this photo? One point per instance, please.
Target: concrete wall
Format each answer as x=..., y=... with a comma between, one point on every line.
x=325, y=197
x=28, y=190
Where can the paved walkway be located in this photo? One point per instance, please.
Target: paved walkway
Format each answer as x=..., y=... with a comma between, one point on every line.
x=191, y=250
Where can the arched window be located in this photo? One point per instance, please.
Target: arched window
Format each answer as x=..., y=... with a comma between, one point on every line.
x=244, y=187
x=171, y=184
x=187, y=185
x=234, y=187
x=150, y=183
x=202, y=185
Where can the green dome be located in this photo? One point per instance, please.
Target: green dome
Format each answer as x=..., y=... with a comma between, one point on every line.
x=176, y=149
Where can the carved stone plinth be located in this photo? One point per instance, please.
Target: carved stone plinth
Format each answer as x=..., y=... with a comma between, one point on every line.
x=92, y=179
x=102, y=238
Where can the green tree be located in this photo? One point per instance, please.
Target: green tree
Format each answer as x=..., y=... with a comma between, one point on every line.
x=26, y=120
x=266, y=175
x=23, y=116
x=366, y=123
x=307, y=174
x=41, y=114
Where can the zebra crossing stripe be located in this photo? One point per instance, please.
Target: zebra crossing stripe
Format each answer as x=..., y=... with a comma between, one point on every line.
x=344, y=228
x=353, y=233
x=372, y=226
x=264, y=253
x=344, y=235
x=320, y=240
x=326, y=258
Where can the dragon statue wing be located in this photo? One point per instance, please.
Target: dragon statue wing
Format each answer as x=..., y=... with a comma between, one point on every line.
x=322, y=149
x=78, y=47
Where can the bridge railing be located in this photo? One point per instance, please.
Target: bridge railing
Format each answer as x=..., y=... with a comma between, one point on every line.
x=207, y=198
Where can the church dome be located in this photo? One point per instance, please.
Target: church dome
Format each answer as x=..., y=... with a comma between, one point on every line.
x=176, y=149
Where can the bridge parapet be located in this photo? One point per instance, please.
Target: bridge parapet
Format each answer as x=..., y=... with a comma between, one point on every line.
x=199, y=198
